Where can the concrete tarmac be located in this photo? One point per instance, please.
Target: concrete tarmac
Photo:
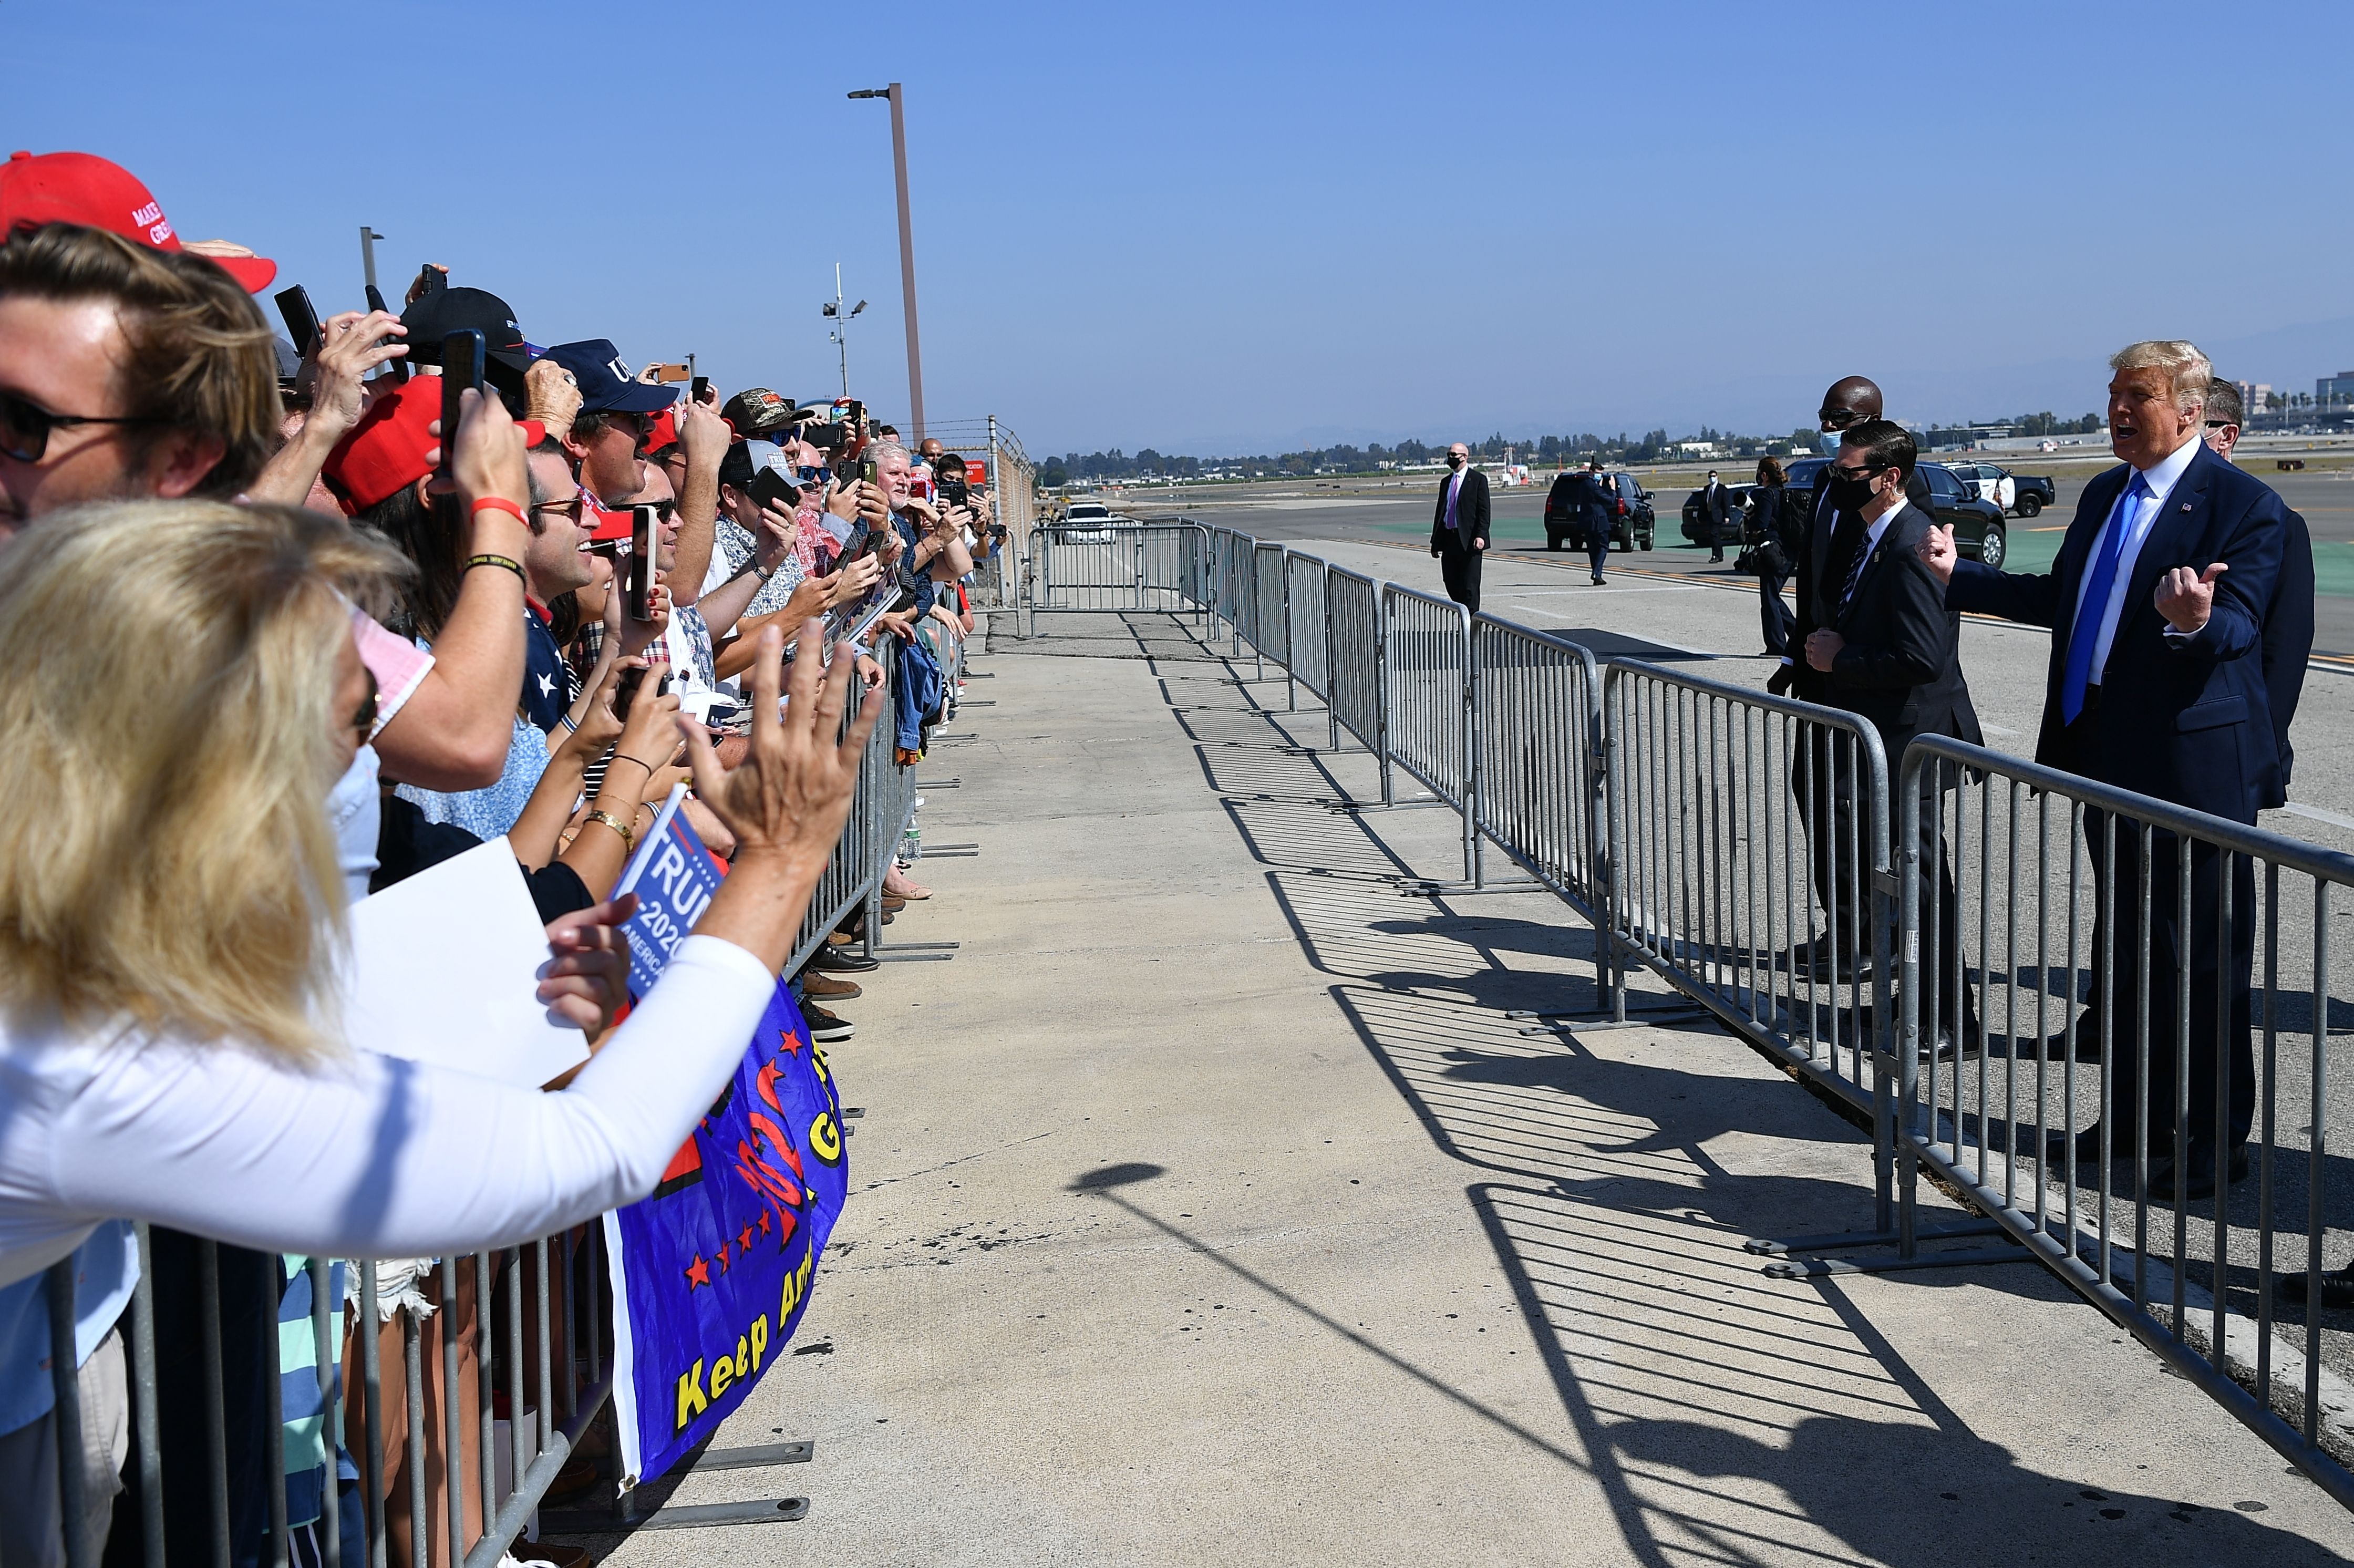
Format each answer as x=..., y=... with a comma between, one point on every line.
x=1210, y=1207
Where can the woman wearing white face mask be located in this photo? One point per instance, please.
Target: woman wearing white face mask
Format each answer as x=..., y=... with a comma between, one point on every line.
x=168, y=926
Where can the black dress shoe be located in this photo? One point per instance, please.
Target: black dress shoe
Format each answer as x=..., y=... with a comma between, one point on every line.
x=2198, y=1172
x=842, y=960
x=2088, y=1148
x=2337, y=1286
x=1820, y=961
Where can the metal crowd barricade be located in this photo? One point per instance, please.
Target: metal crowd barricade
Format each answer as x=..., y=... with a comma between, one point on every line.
x=1238, y=585
x=1270, y=620
x=1113, y=569
x=538, y=1314
x=1426, y=669
x=2070, y=893
x=1353, y=655
x=1306, y=663
x=1538, y=771
x=535, y=1313
x=1731, y=814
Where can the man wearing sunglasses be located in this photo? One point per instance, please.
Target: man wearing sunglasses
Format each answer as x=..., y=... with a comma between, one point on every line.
x=609, y=435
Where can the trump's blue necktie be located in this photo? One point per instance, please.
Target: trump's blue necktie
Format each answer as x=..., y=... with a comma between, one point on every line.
x=2094, y=605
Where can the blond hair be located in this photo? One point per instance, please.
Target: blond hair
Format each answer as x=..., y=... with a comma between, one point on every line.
x=2183, y=361
x=167, y=748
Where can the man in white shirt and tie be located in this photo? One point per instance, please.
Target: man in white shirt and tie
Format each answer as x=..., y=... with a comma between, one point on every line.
x=2157, y=604
x=1459, y=527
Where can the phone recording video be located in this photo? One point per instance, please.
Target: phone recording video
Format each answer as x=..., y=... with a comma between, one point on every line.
x=638, y=578
x=301, y=322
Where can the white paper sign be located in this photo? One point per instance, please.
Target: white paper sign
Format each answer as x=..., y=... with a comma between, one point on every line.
x=445, y=966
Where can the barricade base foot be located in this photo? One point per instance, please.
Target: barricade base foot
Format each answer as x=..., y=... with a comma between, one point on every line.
x=898, y=958
x=939, y=783
x=795, y=1453
x=765, y=1510
x=946, y=849
x=1822, y=1267
x=1634, y=1021
x=1421, y=888
x=1833, y=1241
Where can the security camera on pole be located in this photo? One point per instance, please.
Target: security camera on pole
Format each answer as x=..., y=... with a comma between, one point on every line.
x=841, y=321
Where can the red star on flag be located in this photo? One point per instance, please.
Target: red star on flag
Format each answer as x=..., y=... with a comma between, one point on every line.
x=763, y=1222
x=722, y=1257
x=698, y=1272
x=744, y=1242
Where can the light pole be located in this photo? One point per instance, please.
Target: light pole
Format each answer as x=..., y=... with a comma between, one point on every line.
x=840, y=343
x=906, y=252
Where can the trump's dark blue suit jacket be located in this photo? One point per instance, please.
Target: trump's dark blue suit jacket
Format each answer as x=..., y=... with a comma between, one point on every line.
x=2189, y=721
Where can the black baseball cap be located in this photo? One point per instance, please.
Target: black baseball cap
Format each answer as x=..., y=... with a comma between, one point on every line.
x=436, y=316
x=606, y=385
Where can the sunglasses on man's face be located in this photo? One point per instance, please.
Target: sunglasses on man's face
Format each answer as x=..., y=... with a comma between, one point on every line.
x=25, y=426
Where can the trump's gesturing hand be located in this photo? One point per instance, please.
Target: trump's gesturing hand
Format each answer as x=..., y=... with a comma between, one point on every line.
x=2187, y=597
x=1937, y=553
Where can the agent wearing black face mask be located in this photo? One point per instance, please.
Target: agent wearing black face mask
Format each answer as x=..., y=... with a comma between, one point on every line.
x=1887, y=650
x=1848, y=402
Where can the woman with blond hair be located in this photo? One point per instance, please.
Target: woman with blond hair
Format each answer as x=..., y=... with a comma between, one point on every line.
x=170, y=919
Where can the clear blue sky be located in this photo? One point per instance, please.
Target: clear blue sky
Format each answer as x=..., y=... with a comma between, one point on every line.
x=1217, y=227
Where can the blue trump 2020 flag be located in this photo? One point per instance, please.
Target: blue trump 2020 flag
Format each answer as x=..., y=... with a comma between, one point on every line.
x=713, y=1271
x=673, y=877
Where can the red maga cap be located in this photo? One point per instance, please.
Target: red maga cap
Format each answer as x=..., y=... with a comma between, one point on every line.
x=604, y=524
x=387, y=450
x=664, y=432
x=81, y=187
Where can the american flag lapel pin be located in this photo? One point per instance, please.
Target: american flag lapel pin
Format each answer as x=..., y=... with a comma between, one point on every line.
x=2186, y=506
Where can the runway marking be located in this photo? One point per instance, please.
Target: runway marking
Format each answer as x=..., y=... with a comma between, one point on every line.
x=2316, y=813
x=1572, y=593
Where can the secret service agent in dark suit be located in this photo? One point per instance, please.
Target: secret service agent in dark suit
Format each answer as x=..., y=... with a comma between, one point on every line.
x=2288, y=619
x=1459, y=527
x=1597, y=504
x=1890, y=652
x=1716, y=504
x=2156, y=684
x=1810, y=563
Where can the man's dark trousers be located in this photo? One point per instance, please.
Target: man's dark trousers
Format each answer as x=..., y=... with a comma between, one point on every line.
x=1824, y=772
x=1458, y=567
x=2218, y=976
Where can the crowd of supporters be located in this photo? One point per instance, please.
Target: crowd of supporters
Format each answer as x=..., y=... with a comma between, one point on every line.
x=283, y=639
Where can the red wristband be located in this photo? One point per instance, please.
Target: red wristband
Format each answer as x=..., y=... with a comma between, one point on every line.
x=499, y=504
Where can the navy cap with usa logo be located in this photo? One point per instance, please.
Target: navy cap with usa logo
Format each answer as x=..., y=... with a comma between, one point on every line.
x=606, y=385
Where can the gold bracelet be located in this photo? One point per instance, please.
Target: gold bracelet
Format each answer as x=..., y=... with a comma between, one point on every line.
x=629, y=838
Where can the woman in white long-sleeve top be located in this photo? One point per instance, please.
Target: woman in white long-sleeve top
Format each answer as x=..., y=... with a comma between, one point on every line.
x=181, y=693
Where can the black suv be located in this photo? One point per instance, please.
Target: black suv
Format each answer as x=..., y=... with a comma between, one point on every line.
x=1631, y=528
x=1736, y=505
x=1977, y=524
